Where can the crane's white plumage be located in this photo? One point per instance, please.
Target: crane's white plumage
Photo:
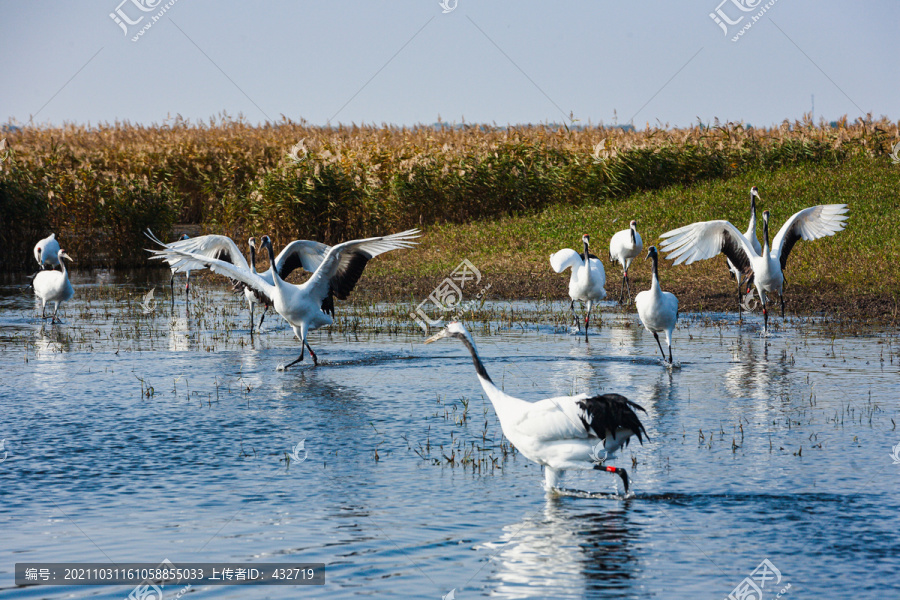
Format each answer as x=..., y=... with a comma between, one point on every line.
x=303, y=254
x=587, y=280
x=562, y=433
x=658, y=310
x=305, y=307
x=46, y=252
x=624, y=247
x=706, y=239
x=53, y=286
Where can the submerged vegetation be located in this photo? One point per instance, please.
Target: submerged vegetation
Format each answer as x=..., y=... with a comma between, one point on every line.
x=99, y=187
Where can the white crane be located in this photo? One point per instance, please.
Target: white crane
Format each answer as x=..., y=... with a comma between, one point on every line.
x=658, y=310
x=304, y=254
x=309, y=305
x=706, y=239
x=753, y=240
x=587, y=280
x=624, y=247
x=53, y=286
x=564, y=433
x=46, y=252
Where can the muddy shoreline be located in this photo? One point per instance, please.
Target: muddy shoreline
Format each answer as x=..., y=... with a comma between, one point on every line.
x=809, y=301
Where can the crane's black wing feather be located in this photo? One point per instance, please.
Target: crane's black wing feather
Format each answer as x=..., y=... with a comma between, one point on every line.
x=350, y=270
x=605, y=414
x=732, y=249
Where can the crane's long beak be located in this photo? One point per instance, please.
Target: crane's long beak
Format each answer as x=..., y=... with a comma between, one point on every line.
x=439, y=335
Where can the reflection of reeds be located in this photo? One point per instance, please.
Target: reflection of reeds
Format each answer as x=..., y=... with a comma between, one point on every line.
x=97, y=188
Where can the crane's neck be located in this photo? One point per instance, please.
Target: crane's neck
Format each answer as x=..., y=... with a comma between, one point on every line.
x=633, y=237
x=654, y=284
x=587, y=262
x=765, y=236
x=253, y=257
x=62, y=266
x=276, y=280
x=504, y=405
x=479, y=366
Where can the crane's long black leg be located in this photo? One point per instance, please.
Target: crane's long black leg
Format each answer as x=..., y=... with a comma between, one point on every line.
x=670, y=353
x=313, y=354
x=740, y=301
x=587, y=320
x=263, y=317
x=297, y=360
x=618, y=471
x=782, y=305
x=172, y=288
x=658, y=343
x=627, y=286
x=765, y=319
x=251, y=318
x=575, y=315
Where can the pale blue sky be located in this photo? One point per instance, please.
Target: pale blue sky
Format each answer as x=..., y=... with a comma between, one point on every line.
x=406, y=62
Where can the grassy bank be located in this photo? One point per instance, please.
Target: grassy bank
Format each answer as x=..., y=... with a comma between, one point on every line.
x=99, y=187
x=850, y=275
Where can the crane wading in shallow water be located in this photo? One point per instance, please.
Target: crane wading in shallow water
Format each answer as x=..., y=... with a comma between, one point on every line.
x=309, y=305
x=658, y=310
x=706, y=239
x=53, y=286
x=587, y=280
x=562, y=433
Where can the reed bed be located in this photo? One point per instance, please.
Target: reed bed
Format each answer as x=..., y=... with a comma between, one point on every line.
x=99, y=187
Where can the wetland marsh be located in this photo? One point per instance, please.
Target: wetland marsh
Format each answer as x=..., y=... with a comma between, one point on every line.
x=135, y=431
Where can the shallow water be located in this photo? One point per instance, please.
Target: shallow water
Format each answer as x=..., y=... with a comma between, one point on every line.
x=139, y=437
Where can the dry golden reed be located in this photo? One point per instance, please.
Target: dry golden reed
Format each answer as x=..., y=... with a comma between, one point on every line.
x=99, y=187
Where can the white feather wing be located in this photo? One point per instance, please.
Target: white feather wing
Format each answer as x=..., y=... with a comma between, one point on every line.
x=700, y=241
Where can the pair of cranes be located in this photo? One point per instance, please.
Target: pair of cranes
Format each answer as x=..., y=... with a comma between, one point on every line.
x=308, y=306
x=588, y=279
x=49, y=284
